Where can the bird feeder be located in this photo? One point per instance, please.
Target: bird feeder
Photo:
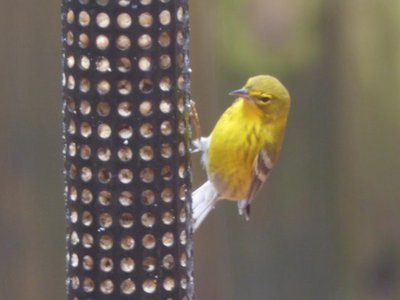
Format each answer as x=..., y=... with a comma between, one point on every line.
x=127, y=170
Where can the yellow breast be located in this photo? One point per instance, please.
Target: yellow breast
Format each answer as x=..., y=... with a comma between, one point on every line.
x=235, y=142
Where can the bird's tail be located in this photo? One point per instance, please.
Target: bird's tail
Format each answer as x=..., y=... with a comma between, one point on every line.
x=204, y=199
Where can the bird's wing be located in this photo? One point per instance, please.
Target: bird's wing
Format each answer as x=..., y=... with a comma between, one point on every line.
x=262, y=167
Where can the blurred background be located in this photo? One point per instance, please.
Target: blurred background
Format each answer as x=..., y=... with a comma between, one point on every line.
x=326, y=226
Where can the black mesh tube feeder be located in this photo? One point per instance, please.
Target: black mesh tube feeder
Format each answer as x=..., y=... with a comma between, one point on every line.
x=128, y=182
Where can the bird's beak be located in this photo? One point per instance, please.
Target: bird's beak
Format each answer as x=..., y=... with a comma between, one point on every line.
x=243, y=92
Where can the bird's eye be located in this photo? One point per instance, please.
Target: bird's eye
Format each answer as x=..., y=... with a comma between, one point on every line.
x=265, y=99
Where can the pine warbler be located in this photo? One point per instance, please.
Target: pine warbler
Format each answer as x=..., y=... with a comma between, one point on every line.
x=243, y=146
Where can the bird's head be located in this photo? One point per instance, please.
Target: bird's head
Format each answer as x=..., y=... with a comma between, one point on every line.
x=267, y=92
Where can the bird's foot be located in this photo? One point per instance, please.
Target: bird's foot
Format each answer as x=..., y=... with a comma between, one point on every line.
x=244, y=209
x=194, y=117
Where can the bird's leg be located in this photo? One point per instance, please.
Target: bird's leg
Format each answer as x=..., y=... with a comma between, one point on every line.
x=244, y=209
x=194, y=117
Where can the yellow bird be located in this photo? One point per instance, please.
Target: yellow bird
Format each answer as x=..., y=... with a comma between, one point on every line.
x=243, y=146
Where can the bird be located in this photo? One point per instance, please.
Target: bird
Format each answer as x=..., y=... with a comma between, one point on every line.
x=243, y=146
